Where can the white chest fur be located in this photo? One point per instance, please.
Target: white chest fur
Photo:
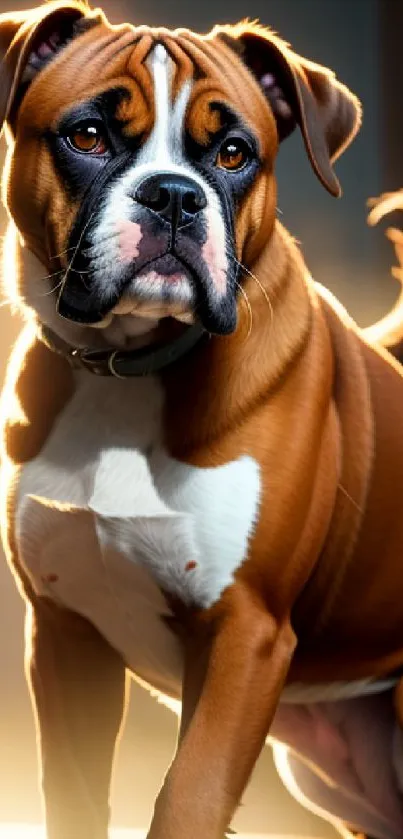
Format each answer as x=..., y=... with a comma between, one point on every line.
x=107, y=522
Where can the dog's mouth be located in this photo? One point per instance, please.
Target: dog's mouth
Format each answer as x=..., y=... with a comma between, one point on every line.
x=163, y=286
x=175, y=284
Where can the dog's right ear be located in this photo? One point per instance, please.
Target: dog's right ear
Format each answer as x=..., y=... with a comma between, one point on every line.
x=29, y=40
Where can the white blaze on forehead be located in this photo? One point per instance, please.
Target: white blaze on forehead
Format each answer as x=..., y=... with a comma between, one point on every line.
x=163, y=152
x=161, y=68
x=166, y=140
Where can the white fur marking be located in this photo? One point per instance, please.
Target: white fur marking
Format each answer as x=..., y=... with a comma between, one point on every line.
x=222, y=521
x=161, y=70
x=175, y=514
x=136, y=519
x=164, y=146
x=60, y=550
x=163, y=152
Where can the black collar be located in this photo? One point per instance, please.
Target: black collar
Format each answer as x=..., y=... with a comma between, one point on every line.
x=123, y=364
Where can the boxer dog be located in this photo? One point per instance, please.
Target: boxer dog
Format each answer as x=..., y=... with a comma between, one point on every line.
x=202, y=455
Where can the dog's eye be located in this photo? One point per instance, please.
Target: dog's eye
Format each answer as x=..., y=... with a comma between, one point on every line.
x=233, y=155
x=88, y=138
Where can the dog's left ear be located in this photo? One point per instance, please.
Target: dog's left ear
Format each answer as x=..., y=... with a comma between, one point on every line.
x=300, y=93
x=29, y=39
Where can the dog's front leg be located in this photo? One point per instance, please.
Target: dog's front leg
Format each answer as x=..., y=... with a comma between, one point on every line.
x=231, y=690
x=78, y=689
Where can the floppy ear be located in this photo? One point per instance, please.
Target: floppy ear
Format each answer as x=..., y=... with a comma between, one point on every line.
x=29, y=40
x=300, y=93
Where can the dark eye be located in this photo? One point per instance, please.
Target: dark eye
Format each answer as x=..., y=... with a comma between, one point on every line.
x=233, y=155
x=88, y=138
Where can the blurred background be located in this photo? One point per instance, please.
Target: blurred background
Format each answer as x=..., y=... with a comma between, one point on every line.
x=361, y=40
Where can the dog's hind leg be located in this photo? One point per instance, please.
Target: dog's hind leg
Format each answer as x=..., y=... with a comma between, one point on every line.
x=338, y=760
x=328, y=801
x=78, y=689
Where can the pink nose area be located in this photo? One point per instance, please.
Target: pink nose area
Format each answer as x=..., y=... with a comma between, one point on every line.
x=130, y=236
x=214, y=252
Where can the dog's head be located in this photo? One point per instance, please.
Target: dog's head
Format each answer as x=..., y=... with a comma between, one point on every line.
x=140, y=168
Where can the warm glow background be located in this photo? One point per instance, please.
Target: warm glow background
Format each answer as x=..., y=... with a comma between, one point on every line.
x=20, y=831
x=343, y=254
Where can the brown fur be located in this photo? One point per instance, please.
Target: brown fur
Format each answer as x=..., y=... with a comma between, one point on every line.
x=296, y=386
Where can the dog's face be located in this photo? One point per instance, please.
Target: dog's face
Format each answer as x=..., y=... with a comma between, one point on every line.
x=140, y=169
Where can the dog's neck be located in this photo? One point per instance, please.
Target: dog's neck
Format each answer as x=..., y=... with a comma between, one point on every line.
x=227, y=376
x=221, y=381
x=209, y=391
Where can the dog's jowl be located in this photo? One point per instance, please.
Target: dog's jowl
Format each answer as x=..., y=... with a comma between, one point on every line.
x=202, y=455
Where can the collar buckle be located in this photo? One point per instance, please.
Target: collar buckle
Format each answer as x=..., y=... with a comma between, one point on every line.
x=111, y=365
x=124, y=364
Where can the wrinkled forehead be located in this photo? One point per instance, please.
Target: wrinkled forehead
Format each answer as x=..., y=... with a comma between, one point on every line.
x=197, y=79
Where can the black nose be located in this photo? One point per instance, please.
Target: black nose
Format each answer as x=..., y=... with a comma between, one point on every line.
x=176, y=198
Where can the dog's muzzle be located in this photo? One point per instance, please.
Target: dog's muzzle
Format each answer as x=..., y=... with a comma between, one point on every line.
x=171, y=209
x=174, y=201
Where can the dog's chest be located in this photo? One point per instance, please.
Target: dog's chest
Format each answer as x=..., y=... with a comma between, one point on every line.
x=107, y=522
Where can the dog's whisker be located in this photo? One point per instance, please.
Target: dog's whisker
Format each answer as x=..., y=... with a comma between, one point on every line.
x=62, y=253
x=262, y=289
x=85, y=284
x=103, y=241
x=350, y=498
x=52, y=290
x=50, y=276
x=76, y=249
x=248, y=306
x=260, y=286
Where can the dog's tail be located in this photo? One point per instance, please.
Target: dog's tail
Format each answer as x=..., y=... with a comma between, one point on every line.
x=389, y=330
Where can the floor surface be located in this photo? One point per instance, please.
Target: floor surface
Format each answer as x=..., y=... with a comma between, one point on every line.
x=19, y=831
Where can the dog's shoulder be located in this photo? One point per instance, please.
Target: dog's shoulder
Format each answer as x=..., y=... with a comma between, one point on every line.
x=38, y=385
